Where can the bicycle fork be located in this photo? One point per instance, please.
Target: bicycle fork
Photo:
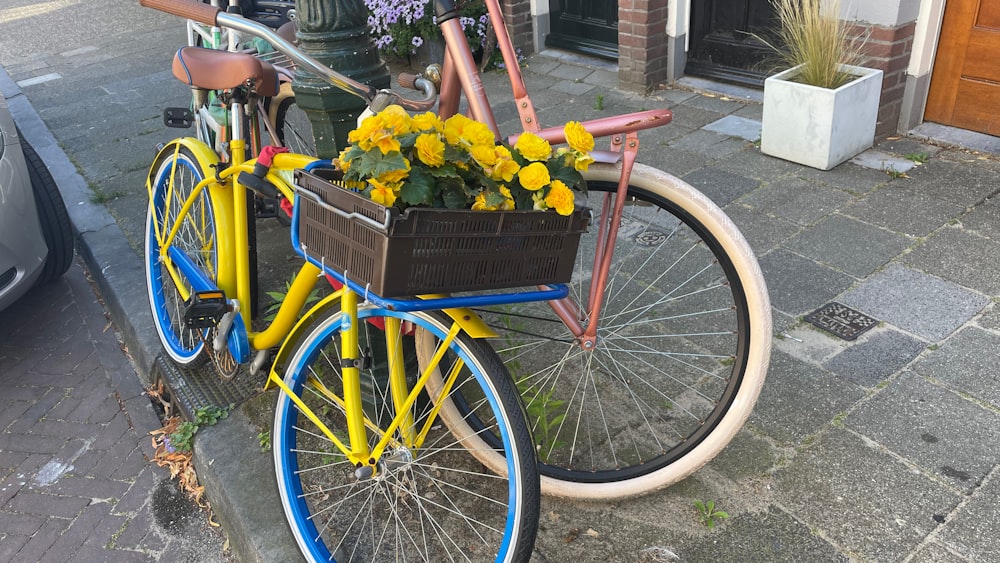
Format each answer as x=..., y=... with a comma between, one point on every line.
x=610, y=221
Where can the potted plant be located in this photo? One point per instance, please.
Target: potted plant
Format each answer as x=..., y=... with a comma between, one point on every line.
x=408, y=28
x=821, y=111
x=422, y=161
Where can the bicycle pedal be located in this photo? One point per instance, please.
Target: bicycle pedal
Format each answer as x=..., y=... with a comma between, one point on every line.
x=205, y=309
x=180, y=118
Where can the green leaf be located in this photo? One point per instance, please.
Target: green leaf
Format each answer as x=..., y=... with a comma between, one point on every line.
x=418, y=189
x=494, y=198
x=454, y=196
x=374, y=164
x=407, y=141
x=569, y=175
x=445, y=171
x=454, y=154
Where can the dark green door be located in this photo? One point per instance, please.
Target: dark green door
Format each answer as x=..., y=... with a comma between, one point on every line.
x=724, y=42
x=584, y=26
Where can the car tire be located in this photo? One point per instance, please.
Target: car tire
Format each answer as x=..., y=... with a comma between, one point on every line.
x=56, y=227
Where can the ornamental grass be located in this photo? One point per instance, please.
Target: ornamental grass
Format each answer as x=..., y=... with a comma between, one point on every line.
x=814, y=38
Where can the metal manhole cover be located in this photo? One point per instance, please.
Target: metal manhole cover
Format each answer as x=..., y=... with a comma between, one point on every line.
x=841, y=320
x=650, y=238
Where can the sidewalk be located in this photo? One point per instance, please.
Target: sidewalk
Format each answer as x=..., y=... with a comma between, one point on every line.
x=882, y=448
x=76, y=482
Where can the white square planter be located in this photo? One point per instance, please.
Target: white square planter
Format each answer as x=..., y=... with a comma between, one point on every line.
x=817, y=126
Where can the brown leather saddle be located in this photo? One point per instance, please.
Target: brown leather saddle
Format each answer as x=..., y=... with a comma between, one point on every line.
x=211, y=69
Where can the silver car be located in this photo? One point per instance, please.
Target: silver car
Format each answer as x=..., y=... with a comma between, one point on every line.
x=36, y=237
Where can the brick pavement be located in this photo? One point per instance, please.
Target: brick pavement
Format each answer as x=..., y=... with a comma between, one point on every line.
x=76, y=483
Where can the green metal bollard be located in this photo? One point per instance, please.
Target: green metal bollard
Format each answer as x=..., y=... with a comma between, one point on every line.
x=335, y=32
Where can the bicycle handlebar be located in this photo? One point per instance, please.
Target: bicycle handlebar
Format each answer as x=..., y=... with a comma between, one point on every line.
x=211, y=15
x=190, y=9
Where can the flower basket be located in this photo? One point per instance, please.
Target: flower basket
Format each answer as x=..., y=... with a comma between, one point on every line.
x=426, y=250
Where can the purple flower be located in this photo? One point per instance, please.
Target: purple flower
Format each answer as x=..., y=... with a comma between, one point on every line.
x=417, y=41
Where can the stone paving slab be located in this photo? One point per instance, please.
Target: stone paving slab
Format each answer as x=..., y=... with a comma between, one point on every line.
x=984, y=219
x=764, y=232
x=798, y=285
x=861, y=498
x=959, y=256
x=875, y=357
x=800, y=400
x=990, y=319
x=924, y=305
x=928, y=425
x=720, y=186
x=899, y=209
x=979, y=515
x=850, y=246
x=967, y=363
x=966, y=185
x=736, y=126
x=796, y=199
x=886, y=162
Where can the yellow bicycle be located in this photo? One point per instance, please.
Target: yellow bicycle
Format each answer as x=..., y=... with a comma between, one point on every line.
x=375, y=453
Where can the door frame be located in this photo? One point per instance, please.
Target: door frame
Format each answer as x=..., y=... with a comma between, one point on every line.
x=926, y=37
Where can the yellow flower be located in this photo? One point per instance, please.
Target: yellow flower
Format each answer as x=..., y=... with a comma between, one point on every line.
x=428, y=121
x=462, y=131
x=578, y=137
x=396, y=120
x=430, y=149
x=533, y=147
x=508, y=200
x=485, y=155
x=533, y=176
x=480, y=203
x=373, y=133
x=342, y=162
x=506, y=167
x=364, y=129
x=383, y=140
x=560, y=198
x=382, y=193
x=582, y=161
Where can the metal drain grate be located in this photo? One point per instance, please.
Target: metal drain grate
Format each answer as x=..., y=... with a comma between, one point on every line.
x=841, y=320
x=192, y=389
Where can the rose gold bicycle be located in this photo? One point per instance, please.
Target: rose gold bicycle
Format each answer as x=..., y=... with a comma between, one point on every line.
x=654, y=361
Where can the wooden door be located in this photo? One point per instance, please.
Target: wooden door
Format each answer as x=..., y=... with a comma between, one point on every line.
x=724, y=44
x=965, y=84
x=585, y=26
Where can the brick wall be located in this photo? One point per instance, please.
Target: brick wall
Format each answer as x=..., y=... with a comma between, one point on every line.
x=517, y=15
x=888, y=49
x=642, y=43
